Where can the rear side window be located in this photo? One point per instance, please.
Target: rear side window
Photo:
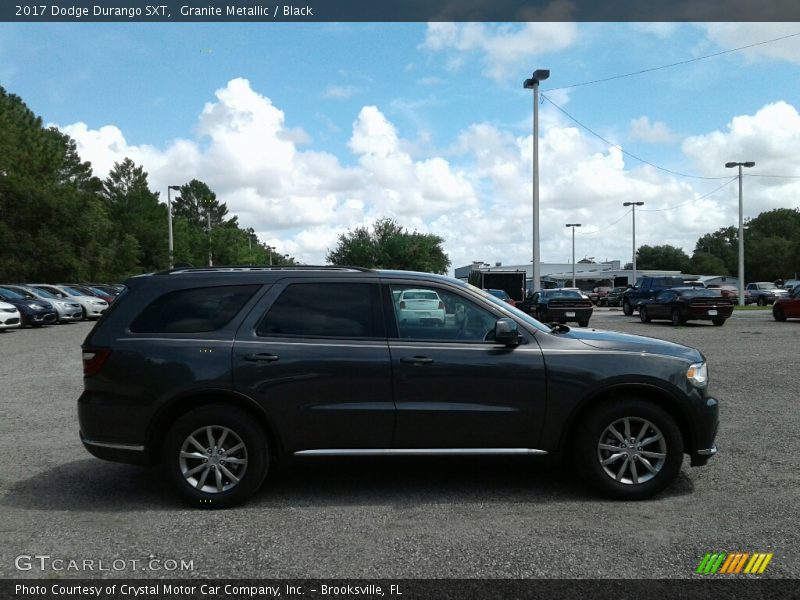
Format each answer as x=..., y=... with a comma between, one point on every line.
x=341, y=310
x=195, y=310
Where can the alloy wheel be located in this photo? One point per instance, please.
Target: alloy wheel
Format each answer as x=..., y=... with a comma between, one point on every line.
x=632, y=450
x=213, y=459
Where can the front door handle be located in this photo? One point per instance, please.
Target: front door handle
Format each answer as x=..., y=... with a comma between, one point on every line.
x=261, y=357
x=416, y=360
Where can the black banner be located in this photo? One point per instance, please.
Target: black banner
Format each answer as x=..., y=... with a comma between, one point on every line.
x=401, y=589
x=397, y=10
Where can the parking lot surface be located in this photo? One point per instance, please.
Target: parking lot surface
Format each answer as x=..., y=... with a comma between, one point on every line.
x=406, y=518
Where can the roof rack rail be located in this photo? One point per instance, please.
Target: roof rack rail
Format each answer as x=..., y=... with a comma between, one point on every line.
x=246, y=268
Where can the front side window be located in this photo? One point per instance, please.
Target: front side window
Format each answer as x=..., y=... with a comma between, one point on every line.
x=195, y=310
x=340, y=310
x=435, y=314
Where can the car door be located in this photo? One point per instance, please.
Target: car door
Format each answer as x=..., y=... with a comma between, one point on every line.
x=314, y=354
x=661, y=307
x=455, y=388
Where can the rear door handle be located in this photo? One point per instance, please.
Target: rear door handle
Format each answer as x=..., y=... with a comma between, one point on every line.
x=261, y=357
x=416, y=360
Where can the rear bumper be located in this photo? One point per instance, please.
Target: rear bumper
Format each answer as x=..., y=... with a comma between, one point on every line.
x=124, y=453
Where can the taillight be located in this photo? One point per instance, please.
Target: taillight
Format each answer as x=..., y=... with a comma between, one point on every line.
x=94, y=359
x=402, y=304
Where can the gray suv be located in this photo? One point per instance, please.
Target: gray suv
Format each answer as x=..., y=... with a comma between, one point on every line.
x=217, y=373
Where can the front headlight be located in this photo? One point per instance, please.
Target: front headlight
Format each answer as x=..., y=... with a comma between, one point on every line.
x=37, y=307
x=698, y=374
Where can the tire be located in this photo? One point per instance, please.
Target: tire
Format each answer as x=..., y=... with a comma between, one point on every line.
x=718, y=322
x=778, y=314
x=596, y=443
x=583, y=323
x=627, y=309
x=236, y=429
x=677, y=319
x=643, y=316
x=84, y=316
x=761, y=301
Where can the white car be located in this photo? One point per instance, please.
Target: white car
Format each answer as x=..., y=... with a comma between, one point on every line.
x=67, y=310
x=420, y=306
x=9, y=316
x=92, y=307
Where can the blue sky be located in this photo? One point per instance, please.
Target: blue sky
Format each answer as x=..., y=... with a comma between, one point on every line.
x=306, y=130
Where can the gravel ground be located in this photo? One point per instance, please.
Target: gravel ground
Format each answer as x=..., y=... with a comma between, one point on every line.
x=407, y=518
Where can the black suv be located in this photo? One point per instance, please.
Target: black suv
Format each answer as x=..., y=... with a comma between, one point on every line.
x=218, y=372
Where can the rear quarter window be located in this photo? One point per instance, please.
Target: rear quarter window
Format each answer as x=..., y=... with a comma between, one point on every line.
x=195, y=310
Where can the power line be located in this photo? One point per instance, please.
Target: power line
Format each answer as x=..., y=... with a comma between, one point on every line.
x=714, y=191
x=771, y=176
x=606, y=227
x=676, y=64
x=621, y=149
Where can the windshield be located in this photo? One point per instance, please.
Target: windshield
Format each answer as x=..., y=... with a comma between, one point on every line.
x=10, y=294
x=44, y=293
x=700, y=293
x=73, y=291
x=561, y=294
x=22, y=293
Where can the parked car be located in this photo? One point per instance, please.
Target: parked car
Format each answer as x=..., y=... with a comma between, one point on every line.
x=33, y=311
x=614, y=297
x=215, y=371
x=646, y=288
x=561, y=305
x=731, y=292
x=790, y=284
x=87, y=290
x=503, y=295
x=112, y=291
x=787, y=307
x=599, y=295
x=420, y=306
x=10, y=317
x=92, y=306
x=686, y=304
x=765, y=292
x=66, y=310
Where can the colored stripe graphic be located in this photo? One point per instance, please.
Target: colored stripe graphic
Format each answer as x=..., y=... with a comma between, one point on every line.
x=734, y=563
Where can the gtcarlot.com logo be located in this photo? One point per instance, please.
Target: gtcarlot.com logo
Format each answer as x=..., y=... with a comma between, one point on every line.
x=734, y=563
x=45, y=562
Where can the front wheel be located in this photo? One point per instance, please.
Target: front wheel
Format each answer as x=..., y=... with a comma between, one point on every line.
x=677, y=319
x=627, y=309
x=216, y=456
x=718, y=322
x=778, y=314
x=761, y=301
x=583, y=323
x=629, y=449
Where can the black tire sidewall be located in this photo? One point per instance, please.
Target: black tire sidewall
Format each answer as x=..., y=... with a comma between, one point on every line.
x=248, y=430
x=643, y=314
x=627, y=308
x=588, y=435
x=675, y=316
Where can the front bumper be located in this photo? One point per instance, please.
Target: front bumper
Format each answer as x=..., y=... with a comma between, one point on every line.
x=705, y=421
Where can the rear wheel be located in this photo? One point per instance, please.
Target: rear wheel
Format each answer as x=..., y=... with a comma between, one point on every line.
x=761, y=301
x=677, y=319
x=583, y=323
x=718, y=322
x=643, y=316
x=778, y=314
x=629, y=449
x=216, y=456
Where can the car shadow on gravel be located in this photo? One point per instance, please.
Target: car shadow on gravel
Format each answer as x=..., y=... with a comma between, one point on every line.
x=96, y=486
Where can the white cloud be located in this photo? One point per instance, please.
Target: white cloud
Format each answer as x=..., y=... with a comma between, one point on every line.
x=655, y=132
x=478, y=199
x=736, y=35
x=502, y=47
x=341, y=92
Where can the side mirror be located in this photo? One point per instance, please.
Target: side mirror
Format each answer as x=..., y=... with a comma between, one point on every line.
x=506, y=332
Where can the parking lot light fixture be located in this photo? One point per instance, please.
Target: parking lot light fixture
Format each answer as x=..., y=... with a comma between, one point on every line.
x=633, y=206
x=533, y=84
x=169, y=224
x=573, y=225
x=731, y=165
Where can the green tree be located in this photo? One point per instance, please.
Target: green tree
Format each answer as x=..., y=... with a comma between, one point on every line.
x=667, y=258
x=390, y=246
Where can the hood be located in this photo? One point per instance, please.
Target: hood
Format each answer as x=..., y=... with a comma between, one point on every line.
x=612, y=340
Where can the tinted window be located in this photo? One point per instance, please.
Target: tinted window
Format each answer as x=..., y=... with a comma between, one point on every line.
x=10, y=294
x=443, y=316
x=194, y=310
x=563, y=294
x=341, y=310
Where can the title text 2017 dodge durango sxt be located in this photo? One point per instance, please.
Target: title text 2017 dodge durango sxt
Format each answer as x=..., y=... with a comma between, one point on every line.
x=217, y=372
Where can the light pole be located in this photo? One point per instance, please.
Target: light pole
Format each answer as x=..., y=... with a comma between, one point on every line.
x=573, y=225
x=269, y=250
x=730, y=165
x=169, y=224
x=528, y=84
x=208, y=217
x=633, y=206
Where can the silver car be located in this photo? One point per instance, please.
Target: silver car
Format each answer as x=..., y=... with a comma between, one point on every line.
x=92, y=307
x=67, y=310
